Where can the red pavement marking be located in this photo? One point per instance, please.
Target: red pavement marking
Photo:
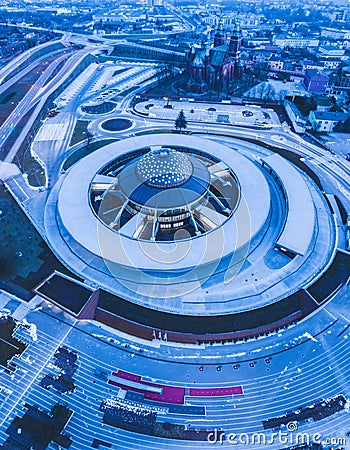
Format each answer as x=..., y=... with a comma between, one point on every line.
x=171, y=394
x=216, y=392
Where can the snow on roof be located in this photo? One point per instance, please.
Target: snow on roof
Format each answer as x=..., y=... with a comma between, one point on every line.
x=298, y=229
x=333, y=116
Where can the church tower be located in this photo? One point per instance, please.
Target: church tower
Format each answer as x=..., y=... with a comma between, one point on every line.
x=220, y=36
x=235, y=48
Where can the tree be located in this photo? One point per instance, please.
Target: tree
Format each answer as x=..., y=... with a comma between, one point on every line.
x=282, y=95
x=343, y=127
x=89, y=137
x=305, y=105
x=269, y=92
x=181, y=122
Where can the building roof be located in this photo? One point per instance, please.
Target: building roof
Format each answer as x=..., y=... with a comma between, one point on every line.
x=164, y=179
x=198, y=59
x=333, y=116
x=83, y=227
x=237, y=28
x=271, y=48
x=295, y=109
x=199, y=52
x=298, y=230
x=331, y=48
x=276, y=58
x=322, y=100
x=316, y=73
x=218, y=55
x=309, y=62
x=164, y=168
x=245, y=56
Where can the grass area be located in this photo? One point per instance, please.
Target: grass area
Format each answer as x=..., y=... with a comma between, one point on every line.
x=34, y=171
x=161, y=131
x=164, y=87
x=84, y=151
x=14, y=135
x=7, y=98
x=116, y=124
x=119, y=71
x=25, y=259
x=102, y=108
x=127, y=91
x=342, y=210
x=80, y=132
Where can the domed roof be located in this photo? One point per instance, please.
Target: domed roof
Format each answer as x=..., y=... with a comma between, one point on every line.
x=164, y=178
x=164, y=168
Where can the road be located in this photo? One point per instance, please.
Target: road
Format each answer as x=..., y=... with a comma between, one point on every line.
x=28, y=101
x=26, y=70
x=23, y=57
x=38, y=93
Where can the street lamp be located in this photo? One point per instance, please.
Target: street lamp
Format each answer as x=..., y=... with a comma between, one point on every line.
x=167, y=100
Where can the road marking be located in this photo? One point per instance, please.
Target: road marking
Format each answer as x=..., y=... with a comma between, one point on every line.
x=19, y=187
x=35, y=376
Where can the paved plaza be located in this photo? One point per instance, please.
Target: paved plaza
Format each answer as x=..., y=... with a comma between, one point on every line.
x=244, y=116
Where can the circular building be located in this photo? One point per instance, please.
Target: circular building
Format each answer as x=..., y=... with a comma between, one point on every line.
x=189, y=226
x=167, y=189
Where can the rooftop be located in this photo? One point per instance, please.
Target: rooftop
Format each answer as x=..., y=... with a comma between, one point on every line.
x=164, y=168
x=328, y=115
x=315, y=73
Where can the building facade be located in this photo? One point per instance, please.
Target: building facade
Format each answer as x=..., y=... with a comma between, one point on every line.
x=315, y=82
x=213, y=67
x=295, y=41
x=325, y=121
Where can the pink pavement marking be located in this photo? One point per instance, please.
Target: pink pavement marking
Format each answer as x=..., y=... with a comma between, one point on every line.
x=216, y=392
x=171, y=394
x=127, y=376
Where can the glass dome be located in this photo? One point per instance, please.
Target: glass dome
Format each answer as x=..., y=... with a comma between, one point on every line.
x=164, y=168
x=165, y=193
